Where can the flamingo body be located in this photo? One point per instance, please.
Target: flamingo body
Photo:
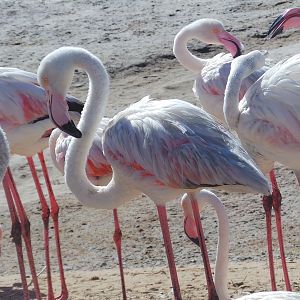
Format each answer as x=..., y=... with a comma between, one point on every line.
x=279, y=295
x=270, y=114
x=177, y=151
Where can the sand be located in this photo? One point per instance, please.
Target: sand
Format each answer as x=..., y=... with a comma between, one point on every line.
x=134, y=39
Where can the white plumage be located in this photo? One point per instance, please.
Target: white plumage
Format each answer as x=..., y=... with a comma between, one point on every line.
x=268, y=117
x=212, y=73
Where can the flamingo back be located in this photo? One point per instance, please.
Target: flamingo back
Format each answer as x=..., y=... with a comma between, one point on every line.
x=178, y=145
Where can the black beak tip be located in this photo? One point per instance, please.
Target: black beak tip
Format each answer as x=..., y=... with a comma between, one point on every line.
x=272, y=32
x=194, y=240
x=71, y=129
x=238, y=52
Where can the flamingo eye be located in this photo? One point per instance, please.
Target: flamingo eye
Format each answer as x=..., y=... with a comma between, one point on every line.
x=216, y=30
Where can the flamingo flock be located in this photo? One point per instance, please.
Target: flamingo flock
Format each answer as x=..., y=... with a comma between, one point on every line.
x=165, y=149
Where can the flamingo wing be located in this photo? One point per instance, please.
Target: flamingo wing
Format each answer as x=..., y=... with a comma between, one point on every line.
x=97, y=165
x=177, y=144
x=22, y=100
x=19, y=75
x=275, y=101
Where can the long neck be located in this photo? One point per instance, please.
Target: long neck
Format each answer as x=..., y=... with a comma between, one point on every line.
x=221, y=266
x=184, y=56
x=90, y=195
x=4, y=153
x=231, y=100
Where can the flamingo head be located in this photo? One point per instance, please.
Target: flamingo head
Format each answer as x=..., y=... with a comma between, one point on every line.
x=212, y=31
x=189, y=224
x=55, y=75
x=245, y=65
x=290, y=18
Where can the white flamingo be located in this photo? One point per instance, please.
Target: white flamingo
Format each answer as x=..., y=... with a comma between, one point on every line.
x=221, y=266
x=24, y=118
x=209, y=87
x=267, y=118
x=211, y=73
x=159, y=148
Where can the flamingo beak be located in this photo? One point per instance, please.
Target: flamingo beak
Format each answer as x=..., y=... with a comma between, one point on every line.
x=59, y=115
x=276, y=27
x=288, y=19
x=189, y=232
x=231, y=43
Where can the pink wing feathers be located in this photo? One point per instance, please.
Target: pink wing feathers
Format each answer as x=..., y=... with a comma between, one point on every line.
x=22, y=100
x=97, y=165
x=181, y=150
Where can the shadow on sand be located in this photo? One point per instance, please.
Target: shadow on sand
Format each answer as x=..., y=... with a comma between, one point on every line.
x=15, y=292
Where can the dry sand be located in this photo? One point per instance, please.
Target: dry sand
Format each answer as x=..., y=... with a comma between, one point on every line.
x=134, y=39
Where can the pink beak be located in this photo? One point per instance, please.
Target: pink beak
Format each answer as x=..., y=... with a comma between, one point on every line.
x=59, y=115
x=289, y=19
x=191, y=230
x=231, y=43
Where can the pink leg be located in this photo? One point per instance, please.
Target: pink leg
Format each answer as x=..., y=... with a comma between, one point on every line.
x=162, y=214
x=118, y=239
x=54, y=214
x=16, y=234
x=25, y=231
x=212, y=293
x=45, y=218
x=267, y=203
x=277, y=208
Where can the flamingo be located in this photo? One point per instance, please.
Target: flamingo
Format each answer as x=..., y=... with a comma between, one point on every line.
x=267, y=118
x=211, y=74
x=159, y=148
x=205, y=197
x=209, y=88
x=24, y=118
x=4, y=159
x=98, y=171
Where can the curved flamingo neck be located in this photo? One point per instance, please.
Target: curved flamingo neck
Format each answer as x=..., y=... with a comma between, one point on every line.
x=221, y=265
x=109, y=196
x=184, y=56
x=231, y=99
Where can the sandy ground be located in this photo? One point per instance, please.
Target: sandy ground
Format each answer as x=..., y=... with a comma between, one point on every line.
x=134, y=39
